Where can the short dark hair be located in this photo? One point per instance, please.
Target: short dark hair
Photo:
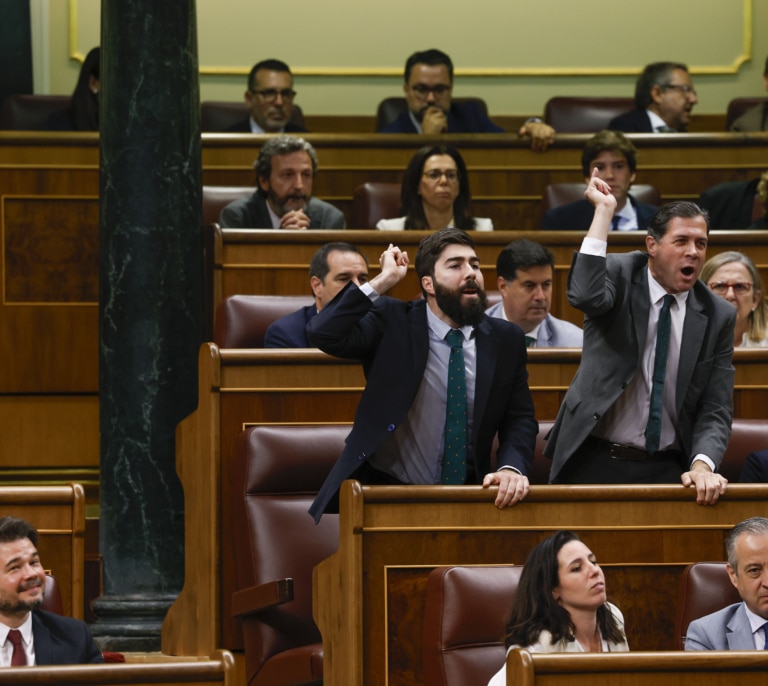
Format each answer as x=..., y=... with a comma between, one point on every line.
x=657, y=227
x=410, y=199
x=280, y=145
x=270, y=65
x=522, y=254
x=753, y=525
x=15, y=529
x=432, y=57
x=432, y=247
x=318, y=265
x=610, y=141
x=655, y=74
x=535, y=608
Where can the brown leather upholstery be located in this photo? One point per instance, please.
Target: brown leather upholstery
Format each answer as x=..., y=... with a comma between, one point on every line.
x=389, y=109
x=584, y=115
x=373, y=201
x=52, y=596
x=464, y=622
x=217, y=116
x=242, y=320
x=541, y=463
x=278, y=471
x=30, y=112
x=557, y=194
x=747, y=435
x=738, y=106
x=704, y=588
x=216, y=198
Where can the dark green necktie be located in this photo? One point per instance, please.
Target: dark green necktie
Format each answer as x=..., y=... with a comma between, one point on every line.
x=653, y=429
x=455, y=450
x=530, y=341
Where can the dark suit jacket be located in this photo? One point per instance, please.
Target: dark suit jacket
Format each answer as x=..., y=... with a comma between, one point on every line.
x=62, y=640
x=577, y=216
x=613, y=293
x=755, y=470
x=634, y=121
x=390, y=338
x=252, y=213
x=244, y=126
x=754, y=119
x=465, y=117
x=289, y=331
x=729, y=204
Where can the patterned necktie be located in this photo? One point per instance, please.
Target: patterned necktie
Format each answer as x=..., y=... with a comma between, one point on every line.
x=18, y=657
x=455, y=451
x=665, y=129
x=653, y=429
x=530, y=341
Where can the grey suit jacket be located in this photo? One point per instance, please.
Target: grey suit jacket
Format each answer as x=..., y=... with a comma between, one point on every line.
x=252, y=213
x=553, y=332
x=613, y=294
x=726, y=629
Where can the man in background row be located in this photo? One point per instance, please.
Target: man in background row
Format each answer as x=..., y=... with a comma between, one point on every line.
x=428, y=89
x=755, y=118
x=269, y=98
x=332, y=267
x=664, y=98
x=525, y=272
x=614, y=159
x=285, y=171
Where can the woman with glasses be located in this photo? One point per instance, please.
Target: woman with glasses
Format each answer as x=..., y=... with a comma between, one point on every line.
x=733, y=276
x=561, y=605
x=435, y=194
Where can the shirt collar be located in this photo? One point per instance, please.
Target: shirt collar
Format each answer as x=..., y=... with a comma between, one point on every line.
x=25, y=629
x=255, y=128
x=441, y=329
x=656, y=121
x=414, y=121
x=658, y=292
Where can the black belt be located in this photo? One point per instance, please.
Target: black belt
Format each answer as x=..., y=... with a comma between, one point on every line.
x=627, y=452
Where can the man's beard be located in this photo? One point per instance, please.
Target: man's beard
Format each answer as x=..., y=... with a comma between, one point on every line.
x=18, y=606
x=468, y=313
x=281, y=206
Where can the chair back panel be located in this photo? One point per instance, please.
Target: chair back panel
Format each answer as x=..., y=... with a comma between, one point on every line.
x=216, y=198
x=241, y=321
x=30, y=112
x=557, y=194
x=584, y=115
x=390, y=109
x=373, y=201
x=747, y=435
x=464, y=623
x=217, y=116
x=705, y=587
x=52, y=596
x=278, y=471
x=738, y=106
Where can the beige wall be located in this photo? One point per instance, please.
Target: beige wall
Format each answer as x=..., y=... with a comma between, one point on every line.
x=348, y=57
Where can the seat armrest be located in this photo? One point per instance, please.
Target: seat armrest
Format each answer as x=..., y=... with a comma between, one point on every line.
x=262, y=597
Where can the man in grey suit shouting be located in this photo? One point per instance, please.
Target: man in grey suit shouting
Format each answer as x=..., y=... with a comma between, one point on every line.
x=651, y=401
x=741, y=626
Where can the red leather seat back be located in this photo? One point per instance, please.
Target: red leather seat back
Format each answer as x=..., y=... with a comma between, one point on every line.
x=738, y=106
x=584, y=115
x=557, y=194
x=373, y=201
x=747, y=435
x=30, y=112
x=216, y=198
x=464, y=623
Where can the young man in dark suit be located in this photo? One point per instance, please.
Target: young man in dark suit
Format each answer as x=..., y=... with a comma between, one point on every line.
x=404, y=425
x=29, y=636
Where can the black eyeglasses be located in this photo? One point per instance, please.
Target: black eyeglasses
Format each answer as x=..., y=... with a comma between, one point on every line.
x=451, y=175
x=438, y=90
x=682, y=87
x=270, y=94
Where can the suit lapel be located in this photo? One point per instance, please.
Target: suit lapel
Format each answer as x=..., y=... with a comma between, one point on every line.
x=694, y=329
x=486, y=354
x=739, y=632
x=42, y=639
x=417, y=320
x=640, y=304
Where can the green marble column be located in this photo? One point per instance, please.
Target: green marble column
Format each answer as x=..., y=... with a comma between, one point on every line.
x=150, y=306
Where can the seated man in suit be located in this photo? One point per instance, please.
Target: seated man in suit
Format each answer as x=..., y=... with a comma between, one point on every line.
x=524, y=270
x=428, y=86
x=744, y=625
x=332, y=267
x=755, y=118
x=269, y=97
x=664, y=98
x=442, y=378
x=285, y=170
x=731, y=204
x=28, y=635
x=614, y=159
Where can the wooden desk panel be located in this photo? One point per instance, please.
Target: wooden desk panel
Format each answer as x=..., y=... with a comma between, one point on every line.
x=371, y=592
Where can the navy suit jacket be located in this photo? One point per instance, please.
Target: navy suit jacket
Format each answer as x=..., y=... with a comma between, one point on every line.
x=252, y=213
x=465, y=117
x=62, y=640
x=289, y=331
x=577, y=216
x=634, y=121
x=390, y=339
x=244, y=126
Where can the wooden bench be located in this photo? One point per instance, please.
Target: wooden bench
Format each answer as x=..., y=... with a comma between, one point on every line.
x=715, y=668
x=58, y=514
x=369, y=596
